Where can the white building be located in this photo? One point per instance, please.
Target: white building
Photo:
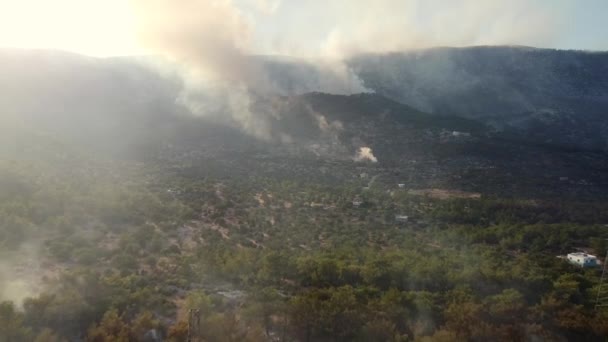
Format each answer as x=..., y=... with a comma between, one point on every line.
x=401, y=218
x=583, y=259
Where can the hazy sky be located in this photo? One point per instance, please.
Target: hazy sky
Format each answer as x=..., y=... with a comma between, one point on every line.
x=314, y=27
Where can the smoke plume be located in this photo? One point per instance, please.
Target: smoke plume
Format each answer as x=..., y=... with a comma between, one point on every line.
x=216, y=40
x=20, y=274
x=210, y=37
x=213, y=40
x=365, y=154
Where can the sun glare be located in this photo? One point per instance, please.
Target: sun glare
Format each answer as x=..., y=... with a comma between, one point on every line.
x=92, y=27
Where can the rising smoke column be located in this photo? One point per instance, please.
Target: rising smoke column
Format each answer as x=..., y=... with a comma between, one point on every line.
x=365, y=154
x=213, y=41
x=210, y=39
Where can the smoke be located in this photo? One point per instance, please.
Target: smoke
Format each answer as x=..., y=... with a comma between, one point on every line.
x=365, y=154
x=210, y=37
x=20, y=274
x=326, y=126
x=360, y=26
x=217, y=36
x=266, y=6
x=215, y=41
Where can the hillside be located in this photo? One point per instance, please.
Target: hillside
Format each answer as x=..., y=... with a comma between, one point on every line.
x=353, y=218
x=550, y=96
x=119, y=108
x=553, y=97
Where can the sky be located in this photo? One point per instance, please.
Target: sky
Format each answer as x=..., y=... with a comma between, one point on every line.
x=312, y=28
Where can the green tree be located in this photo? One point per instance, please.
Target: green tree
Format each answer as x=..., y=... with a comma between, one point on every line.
x=110, y=329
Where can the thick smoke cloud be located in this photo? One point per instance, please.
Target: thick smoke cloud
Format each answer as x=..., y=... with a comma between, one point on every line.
x=215, y=40
x=216, y=37
x=210, y=37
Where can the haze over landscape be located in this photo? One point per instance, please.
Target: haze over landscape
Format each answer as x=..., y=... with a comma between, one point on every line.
x=274, y=170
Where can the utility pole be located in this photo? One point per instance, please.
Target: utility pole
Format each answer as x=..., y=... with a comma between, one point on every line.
x=602, y=296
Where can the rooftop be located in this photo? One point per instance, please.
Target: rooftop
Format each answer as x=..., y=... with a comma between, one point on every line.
x=581, y=254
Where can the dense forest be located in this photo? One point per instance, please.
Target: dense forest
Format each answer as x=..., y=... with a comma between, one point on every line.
x=108, y=250
x=354, y=218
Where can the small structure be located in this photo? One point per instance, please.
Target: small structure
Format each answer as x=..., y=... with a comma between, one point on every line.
x=582, y=259
x=402, y=218
x=401, y=185
x=601, y=300
x=460, y=134
x=446, y=136
x=357, y=202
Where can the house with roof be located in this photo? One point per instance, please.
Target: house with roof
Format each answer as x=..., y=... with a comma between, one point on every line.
x=402, y=218
x=582, y=259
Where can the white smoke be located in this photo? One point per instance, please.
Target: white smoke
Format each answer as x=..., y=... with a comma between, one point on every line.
x=212, y=39
x=361, y=26
x=215, y=39
x=209, y=37
x=326, y=126
x=266, y=6
x=20, y=273
x=365, y=154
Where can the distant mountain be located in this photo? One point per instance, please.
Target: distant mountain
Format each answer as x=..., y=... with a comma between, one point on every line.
x=553, y=97
x=120, y=105
x=109, y=104
x=56, y=104
x=549, y=96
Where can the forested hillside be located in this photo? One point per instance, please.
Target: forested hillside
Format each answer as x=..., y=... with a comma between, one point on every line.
x=123, y=217
x=272, y=243
x=543, y=95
